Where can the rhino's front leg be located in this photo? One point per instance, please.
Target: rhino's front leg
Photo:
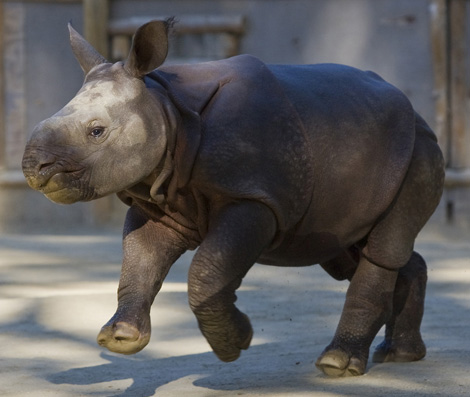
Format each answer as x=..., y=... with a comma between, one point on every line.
x=237, y=235
x=368, y=306
x=150, y=249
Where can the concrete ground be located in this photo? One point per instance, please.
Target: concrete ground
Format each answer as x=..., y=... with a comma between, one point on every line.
x=56, y=291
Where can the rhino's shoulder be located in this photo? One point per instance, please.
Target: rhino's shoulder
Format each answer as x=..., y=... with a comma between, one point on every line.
x=196, y=84
x=253, y=143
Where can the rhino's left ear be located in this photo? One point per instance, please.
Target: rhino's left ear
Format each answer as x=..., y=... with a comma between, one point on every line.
x=149, y=48
x=86, y=55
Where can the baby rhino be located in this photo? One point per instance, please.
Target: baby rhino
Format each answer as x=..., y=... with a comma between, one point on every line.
x=247, y=162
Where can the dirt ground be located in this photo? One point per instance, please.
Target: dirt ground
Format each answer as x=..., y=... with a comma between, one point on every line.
x=56, y=291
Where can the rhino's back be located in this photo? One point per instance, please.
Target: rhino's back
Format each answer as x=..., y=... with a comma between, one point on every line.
x=337, y=93
x=325, y=147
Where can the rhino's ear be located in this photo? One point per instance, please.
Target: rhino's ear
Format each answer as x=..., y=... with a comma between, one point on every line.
x=86, y=55
x=149, y=48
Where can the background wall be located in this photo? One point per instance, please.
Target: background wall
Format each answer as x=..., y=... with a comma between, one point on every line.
x=391, y=37
x=40, y=75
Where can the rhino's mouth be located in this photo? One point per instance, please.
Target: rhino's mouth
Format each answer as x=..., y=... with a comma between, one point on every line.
x=62, y=188
x=56, y=182
x=67, y=187
x=60, y=185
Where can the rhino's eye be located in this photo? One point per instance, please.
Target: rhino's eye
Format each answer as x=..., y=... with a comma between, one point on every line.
x=96, y=132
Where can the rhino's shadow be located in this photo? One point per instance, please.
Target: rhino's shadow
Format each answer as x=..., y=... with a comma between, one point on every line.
x=206, y=371
x=147, y=376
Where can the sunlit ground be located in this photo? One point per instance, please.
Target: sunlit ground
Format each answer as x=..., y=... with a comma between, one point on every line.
x=57, y=291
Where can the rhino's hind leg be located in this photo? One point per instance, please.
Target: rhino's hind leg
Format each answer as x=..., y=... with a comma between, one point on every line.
x=403, y=340
x=368, y=306
x=382, y=278
x=418, y=198
x=348, y=353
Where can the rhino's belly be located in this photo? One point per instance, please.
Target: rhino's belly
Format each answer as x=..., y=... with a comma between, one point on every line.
x=303, y=250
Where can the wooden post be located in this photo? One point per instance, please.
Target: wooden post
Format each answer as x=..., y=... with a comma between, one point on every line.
x=2, y=94
x=458, y=85
x=14, y=84
x=95, y=24
x=440, y=51
x=452, y=88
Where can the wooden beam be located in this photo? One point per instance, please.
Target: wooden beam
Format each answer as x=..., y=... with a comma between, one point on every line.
x=42, y=1
x=95, y=24
x=456, y=179
x=185, y=24
x=229, y=27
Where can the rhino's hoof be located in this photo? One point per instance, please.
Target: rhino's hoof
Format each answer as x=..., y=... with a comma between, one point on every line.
x=337, y=363
x=399, y=351
x=122, y=338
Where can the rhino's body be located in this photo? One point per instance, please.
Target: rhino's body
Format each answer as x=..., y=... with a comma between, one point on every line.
x=284, y=165
x=311, y=137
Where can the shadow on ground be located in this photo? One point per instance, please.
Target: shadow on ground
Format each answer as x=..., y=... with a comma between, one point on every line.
x=57, y=291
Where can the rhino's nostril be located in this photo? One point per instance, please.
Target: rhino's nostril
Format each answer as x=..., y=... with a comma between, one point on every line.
x=45, y=166
x=102, y=339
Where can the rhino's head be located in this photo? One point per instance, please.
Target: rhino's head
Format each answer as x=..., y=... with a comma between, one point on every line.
x=112, y=134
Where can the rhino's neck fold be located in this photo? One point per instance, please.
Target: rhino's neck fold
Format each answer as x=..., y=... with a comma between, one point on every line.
x=157, y=193
x=183, y=134
x=185, y=138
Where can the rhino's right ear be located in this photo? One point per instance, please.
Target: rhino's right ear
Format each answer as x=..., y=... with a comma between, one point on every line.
x=86, y=55
x=149, y=47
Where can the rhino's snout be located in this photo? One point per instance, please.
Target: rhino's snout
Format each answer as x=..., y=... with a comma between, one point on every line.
x=59, y=179
x=38, y=167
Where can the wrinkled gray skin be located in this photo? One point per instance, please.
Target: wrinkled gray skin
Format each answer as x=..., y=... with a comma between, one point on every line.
x=282, y=165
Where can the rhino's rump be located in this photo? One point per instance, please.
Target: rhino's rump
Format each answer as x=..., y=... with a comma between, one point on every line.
x=362, y=133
